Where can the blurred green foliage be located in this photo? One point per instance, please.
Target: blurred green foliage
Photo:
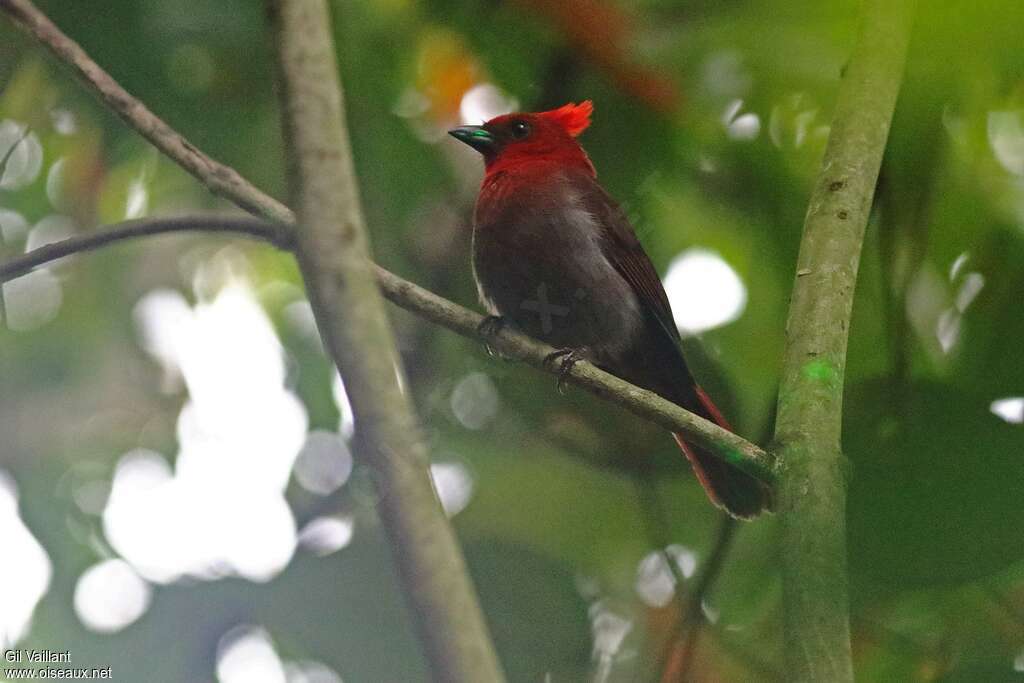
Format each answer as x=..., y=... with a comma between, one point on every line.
x=557, y=529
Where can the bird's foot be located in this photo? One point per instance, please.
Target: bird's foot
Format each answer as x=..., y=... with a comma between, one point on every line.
x=488, y=327
x=566, y=358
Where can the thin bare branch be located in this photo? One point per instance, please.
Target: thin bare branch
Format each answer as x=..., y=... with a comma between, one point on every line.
x=275, y=233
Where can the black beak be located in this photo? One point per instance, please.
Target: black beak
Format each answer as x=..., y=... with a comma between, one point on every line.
x=476, y=137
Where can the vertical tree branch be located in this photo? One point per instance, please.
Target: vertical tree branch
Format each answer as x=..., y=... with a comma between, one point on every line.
x=333, y=253
x=812, y=490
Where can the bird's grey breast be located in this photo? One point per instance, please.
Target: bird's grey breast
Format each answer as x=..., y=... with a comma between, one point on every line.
x=542, y=264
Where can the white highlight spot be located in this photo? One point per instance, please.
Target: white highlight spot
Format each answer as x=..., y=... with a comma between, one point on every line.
x=609, y=632
x=55, y=188
x=24, y=571
x=655, y=583
x=347, y=426
x=740, y=126
x=958, y=263
x=32, y=300
x=12, y=225
x=454, y=485
x=245, y=654
x=137, y=202
x=1006, y=137
x=705, y=292
x=712, y=614
x=483, y=102
x=222, y=510
x=972, y=285
x=326, y=535
x=24, y=156
x=299, y=315
x=475, y=400
x=110, y=595
x=53, y=228
x=310, y=672
x=324, y=463
x=1009, y=409
x=64, y=121
x=947, y=329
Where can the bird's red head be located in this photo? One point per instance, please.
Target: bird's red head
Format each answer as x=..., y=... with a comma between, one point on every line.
x=513, y=139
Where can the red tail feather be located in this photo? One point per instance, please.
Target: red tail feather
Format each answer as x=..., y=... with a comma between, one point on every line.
x=738, y=493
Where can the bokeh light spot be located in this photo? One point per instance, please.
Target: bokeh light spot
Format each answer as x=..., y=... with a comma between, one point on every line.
x=475, y=400
x=12, y=225
x=1006, y=137
x=655, y=582
x=110, y=595
x=454, y=486
x=245, y=654
x=324, y=463
x=310, y=672
x=609, y=632
x=705, y=292
x=25, y=569
x=55, y=187
x=53, y=228
x=483, y=102
x=740, y=126
x=32, y=300
x=326, y=535
x=24, y=155
x=1009, y=409
x=222, y=511
x=347, y=423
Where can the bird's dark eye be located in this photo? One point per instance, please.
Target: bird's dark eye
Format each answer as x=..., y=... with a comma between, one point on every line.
x=520, y=129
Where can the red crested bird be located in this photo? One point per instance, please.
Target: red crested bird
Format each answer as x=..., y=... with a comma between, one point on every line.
x=555, y=257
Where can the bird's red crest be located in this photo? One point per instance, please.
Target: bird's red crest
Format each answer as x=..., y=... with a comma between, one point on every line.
x=572, y=118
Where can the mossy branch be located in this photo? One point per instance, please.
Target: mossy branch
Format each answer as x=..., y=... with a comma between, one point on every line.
x=812, y=488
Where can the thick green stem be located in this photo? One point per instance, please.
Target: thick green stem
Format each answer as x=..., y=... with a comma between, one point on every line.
x=811, y=486
x=333, y=252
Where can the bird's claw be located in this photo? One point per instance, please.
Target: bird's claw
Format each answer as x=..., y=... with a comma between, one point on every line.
x=566, y=358
x=489, y=327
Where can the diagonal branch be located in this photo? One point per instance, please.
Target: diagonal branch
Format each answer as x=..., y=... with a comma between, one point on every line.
x=812, y=487
x=440, y=311
x=737, y=451
x=517, y=346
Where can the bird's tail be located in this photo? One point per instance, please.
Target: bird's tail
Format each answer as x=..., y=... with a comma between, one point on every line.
x=738, y=493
